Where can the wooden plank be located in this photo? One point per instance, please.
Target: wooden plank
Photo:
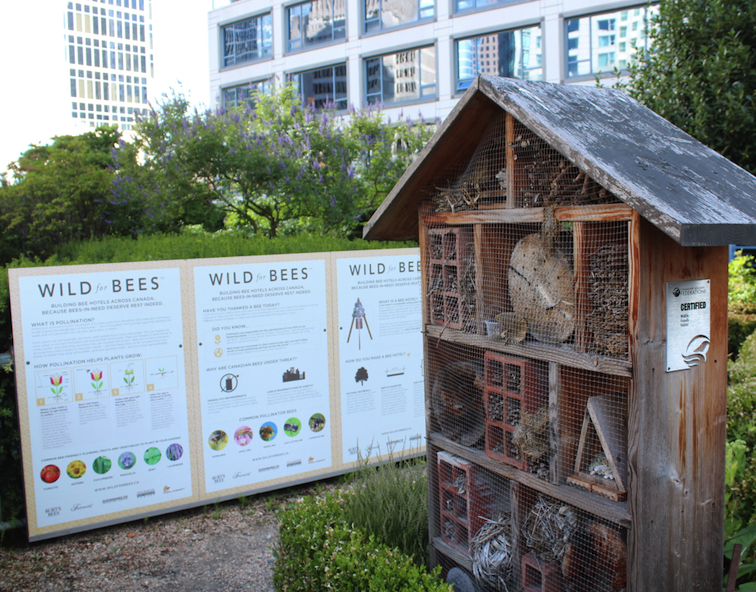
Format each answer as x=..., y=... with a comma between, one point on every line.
x=581, y=236
x=424, y=272
x=555, y=472
x=518, y=522
x=613, y=441
x=597, y=213
x=532, y=349
x=510, y=162
x=676, y=430
x=481, y=276
x=438, y=544
x=600, y=213
x=615, y=512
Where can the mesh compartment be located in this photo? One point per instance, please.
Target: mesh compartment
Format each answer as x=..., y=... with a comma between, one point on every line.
x=527, y=294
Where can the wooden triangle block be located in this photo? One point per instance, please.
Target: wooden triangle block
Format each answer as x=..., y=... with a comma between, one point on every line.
x=597, y=424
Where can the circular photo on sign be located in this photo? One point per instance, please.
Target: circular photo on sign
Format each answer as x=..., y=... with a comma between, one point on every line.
x=268, y=431
x=152, y=456
x=317, y=422
x=127, y=460
x=76, y=469
x=292, y=426
x=218, y=440
x=243, y=436
x=101, y=465
x=174, y=451
x=50, y=474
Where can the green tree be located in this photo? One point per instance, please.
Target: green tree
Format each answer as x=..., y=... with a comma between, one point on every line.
x=700, y=73
x=59, y=193
x=275, y=168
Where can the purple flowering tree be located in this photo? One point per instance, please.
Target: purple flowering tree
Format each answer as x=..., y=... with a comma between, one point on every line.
x=275, y=167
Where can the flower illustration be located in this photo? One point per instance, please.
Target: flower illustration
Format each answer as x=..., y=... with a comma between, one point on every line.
x=96, y=376
x=128, y=376
x=57, y=385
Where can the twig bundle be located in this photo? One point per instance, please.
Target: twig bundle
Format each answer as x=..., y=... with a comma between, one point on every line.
x=609, y=297
x=549, y=528
x=492, y=553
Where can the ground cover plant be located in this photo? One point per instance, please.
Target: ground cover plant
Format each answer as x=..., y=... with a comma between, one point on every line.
x=390, y=501
x=319, y=550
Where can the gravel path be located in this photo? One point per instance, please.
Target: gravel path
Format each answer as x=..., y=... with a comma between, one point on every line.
x=226, y=547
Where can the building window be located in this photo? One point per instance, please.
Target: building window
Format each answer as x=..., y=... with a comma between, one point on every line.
x=326, y=87
x=598, y=43
x=316, y=22
x=516, y=54
x=237, y=96
x=403, y=76
x=460, y=5
x=384, y=14
x=247, y=40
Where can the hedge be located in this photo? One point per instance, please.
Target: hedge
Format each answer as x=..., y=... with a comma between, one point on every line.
x=317, y=550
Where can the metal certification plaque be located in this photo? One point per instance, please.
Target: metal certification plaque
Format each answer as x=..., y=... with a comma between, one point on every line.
x=688, y=323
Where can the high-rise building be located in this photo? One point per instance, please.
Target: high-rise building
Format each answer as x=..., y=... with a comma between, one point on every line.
x=414, y=55
x=109, y=56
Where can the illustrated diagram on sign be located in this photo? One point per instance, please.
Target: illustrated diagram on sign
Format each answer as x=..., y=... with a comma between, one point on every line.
x=358, y=318
x=229, y=382
x=162, y=373
x=91, y=383
x=293, y=374
x=362, y=375
x=128, y=377
x=53, y=387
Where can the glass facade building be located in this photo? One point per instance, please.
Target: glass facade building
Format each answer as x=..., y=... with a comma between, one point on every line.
x=399, y=53
x=110, y=61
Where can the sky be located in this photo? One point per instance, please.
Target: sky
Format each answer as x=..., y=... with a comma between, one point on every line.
x=34, y=61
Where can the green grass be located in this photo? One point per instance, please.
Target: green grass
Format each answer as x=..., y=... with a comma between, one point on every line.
x=390, y=501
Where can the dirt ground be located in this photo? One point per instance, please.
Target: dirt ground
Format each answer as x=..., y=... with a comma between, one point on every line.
x=219, y=548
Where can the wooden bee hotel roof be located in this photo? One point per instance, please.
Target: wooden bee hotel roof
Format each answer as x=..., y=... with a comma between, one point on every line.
x=691, y=193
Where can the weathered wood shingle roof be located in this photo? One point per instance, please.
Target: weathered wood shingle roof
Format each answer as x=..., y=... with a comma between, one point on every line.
x=693, y=194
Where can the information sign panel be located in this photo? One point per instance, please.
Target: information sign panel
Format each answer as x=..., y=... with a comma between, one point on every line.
x=380, y=354
x=102, y=389
x=688, y=323
x=263, y=366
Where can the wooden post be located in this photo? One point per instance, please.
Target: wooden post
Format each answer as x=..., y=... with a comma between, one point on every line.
x=676, y=428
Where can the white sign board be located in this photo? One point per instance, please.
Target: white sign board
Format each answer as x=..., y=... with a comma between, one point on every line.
x=263, y=363
x=152, y=386
x=105, y=392
x=380, y=355
x=688, y=323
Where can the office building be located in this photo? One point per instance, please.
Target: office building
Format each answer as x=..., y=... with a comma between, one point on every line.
x=414, y=56
x=109, y=59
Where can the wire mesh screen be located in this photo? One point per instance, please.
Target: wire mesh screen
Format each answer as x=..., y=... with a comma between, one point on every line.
x=526, y=291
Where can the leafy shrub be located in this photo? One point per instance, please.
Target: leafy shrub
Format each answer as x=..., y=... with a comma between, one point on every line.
x=317, y=551
x=741, y=304
x=390, y=502
x=741, y=426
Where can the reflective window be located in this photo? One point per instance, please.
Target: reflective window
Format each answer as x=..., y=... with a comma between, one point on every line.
x=403, y=76
x=237, y=96
x=512, y=54
x=316, y=22
x=384, y=14
x=468, y=4
x=326, y=87
x=247, y=40
x=603, y=42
